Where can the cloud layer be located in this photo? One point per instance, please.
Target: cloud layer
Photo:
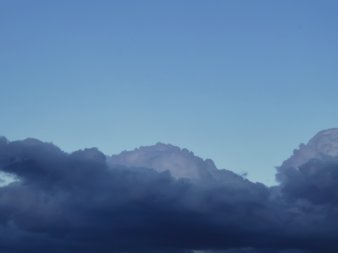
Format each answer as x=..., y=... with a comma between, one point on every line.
x=79, y=203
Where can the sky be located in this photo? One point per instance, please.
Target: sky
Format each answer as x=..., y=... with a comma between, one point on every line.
x=240, y=82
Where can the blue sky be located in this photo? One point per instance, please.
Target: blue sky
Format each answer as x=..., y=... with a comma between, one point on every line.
x=241, y=82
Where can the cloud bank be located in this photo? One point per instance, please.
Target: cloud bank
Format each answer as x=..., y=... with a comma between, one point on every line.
x=86, y=202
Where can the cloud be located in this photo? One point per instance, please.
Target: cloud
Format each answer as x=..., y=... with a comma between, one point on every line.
x=315, y=181
x=181, y=163
x=79, y=202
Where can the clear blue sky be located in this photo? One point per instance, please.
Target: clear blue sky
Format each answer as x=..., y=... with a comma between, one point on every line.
x=241, y=82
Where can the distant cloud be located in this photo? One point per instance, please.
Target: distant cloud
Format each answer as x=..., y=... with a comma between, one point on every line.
x=181, y=163
x=81, y=202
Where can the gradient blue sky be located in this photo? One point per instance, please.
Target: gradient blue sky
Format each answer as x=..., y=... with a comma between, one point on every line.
x=241, y=82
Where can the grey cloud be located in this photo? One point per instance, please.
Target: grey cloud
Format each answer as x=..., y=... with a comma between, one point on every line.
x=82, y=202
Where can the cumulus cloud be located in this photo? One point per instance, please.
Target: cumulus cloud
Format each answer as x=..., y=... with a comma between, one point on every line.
x=81, y=202
x=181, y=163
x=315, y=181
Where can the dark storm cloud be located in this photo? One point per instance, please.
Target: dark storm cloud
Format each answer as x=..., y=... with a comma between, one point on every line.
x=76, y=203
x=315, y=181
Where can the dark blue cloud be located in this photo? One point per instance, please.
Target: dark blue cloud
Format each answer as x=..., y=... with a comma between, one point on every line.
x=78, y=203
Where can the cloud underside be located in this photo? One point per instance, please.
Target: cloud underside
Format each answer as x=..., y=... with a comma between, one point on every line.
x=76, y=203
